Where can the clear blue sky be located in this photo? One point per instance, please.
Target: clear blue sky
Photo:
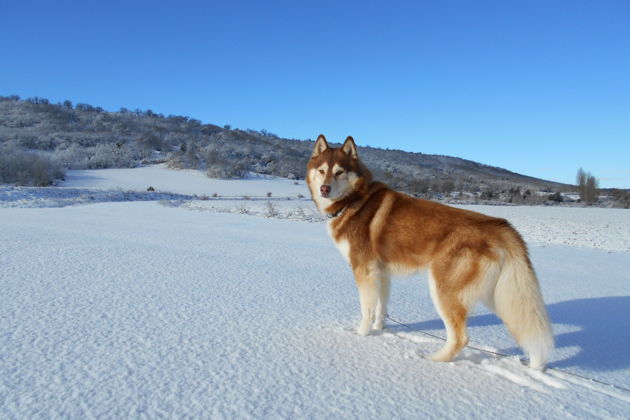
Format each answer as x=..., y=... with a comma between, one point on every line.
x=537, y=87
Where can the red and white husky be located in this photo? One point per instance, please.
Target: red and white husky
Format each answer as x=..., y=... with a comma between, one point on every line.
x=470, y=256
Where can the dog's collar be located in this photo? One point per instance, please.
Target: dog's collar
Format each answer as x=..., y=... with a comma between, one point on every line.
x=335, y=214
x=345, y=203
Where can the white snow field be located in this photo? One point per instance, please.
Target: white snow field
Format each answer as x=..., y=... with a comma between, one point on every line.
x=184, y=181
x=146, y=309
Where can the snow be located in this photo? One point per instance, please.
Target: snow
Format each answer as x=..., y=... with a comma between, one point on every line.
x=184, y=181
x=147, y=309
x=599, y=228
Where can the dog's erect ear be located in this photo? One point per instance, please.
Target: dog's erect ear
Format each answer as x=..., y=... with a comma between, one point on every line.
x=320, y=145
x=349, y=148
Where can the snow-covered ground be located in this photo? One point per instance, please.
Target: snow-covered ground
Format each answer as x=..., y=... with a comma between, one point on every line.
x=184, y=181
x=257, y=195
x=146, y=309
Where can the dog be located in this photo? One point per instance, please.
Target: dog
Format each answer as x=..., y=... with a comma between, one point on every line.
x=470, y=257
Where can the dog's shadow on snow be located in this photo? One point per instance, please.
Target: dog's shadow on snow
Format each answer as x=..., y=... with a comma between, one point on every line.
x=601, y=338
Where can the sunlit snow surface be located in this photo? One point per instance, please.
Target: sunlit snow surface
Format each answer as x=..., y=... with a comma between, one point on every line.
x=182, y=307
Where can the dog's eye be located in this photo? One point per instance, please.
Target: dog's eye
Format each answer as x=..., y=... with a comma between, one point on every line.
x=338, y=173
x=321, y=171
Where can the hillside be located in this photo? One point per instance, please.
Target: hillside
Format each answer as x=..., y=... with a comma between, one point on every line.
x=66, y=136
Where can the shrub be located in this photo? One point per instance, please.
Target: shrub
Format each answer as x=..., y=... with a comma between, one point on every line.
x=72, y=157
x=556, y=197
x=28, y=168
x=270, y=210
x=622, y=198
x=225, y=170
x=110, y=156
x=487, y=195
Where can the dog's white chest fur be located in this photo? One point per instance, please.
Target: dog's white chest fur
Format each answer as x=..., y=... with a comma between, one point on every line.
x=343, y=246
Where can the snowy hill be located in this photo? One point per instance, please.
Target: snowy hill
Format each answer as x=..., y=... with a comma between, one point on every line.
x=83, y=136
x=175, y=303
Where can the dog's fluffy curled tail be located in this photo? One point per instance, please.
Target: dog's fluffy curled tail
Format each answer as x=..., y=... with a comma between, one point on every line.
x=518, y=302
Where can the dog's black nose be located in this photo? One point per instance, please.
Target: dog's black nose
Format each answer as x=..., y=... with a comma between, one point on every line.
x=325, y=190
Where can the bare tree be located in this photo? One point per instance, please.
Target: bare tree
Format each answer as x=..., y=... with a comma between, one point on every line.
x=587, y=186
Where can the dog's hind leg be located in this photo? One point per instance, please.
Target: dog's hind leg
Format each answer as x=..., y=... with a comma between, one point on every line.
x=453, y=313
x=367, y=279
x=381, y=304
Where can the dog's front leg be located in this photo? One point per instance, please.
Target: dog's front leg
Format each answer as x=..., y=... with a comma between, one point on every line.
x=381, y=304
x=368, y=294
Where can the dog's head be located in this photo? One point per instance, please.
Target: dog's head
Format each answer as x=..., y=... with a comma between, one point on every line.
x=334, y=173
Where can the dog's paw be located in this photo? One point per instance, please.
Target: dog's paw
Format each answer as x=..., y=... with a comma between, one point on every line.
x=378, y=324
x=439, y=357
x=363, y=330
x=442, y=355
